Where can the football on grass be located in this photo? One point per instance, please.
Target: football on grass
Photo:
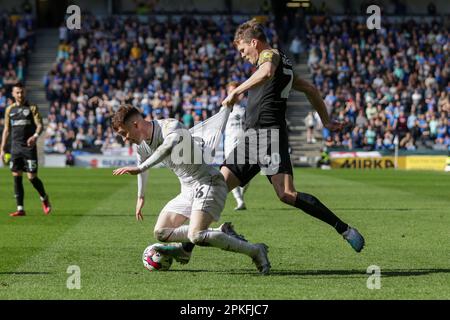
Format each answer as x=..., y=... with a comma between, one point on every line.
x=154, y=260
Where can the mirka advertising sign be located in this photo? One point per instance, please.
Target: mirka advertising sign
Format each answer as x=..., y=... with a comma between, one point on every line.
x=363, y=163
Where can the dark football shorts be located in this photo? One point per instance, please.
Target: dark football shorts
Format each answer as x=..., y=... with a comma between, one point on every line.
x=260, y=150
x=24, y=159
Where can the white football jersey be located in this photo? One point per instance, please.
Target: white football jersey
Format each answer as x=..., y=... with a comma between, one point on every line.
x=187, y=173
x=234, y=128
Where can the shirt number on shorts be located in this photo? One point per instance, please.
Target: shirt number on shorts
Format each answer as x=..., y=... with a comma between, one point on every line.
x=199, y=192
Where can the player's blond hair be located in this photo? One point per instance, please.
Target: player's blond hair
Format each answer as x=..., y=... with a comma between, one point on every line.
x=249, y=30
x=233, y=84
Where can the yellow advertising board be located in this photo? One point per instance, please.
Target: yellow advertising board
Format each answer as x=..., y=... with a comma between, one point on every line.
x=404, y=162
x=426, y=163
x=363, y=163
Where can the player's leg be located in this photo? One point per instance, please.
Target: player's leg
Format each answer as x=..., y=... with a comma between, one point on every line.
x=284, y=187
x=171, y=226
x=237, y=191
x=239, y=197
x=207, y=206
x=208, y=202
x=230, y=178
x=201, y=235
x=19, y=193
x=31, y=166
x=241, y=191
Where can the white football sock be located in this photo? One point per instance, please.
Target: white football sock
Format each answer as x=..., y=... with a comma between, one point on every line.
x=225, y=242
x=237, y=193
x=179, y=234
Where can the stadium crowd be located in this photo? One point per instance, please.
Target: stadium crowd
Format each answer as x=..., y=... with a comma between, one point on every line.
x=167, y=69
x=385, y=83
x=17, y=38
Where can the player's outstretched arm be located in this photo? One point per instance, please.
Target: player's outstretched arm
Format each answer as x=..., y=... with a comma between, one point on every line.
x=263, y=74
x=160, y=153
x=315, y=98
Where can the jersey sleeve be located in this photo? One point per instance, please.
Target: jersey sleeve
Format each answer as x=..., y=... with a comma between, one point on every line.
x=269, y=56
x=37, y=117
x=7, y=118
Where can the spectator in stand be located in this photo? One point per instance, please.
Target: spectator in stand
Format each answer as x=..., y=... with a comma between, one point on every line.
x=388, y=83
x=166, y=69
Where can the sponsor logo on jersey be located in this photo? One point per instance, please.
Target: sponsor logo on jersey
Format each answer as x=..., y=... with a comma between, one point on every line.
x=22, y=122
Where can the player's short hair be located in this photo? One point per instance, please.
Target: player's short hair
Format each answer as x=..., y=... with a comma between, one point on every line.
x=18, y=85
x=249, y=30
x=233, y=84
x=123, y=114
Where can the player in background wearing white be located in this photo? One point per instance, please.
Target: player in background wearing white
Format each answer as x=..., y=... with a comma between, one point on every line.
x=233, y=132
x=203, y=191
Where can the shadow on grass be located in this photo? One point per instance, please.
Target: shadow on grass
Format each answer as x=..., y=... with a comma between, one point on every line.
x=328, y=273
x=100, y=215
x=25, y=273
x=363, y=209
x=384, y=272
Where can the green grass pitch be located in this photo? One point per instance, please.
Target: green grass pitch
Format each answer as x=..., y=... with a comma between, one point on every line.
x=404, y=216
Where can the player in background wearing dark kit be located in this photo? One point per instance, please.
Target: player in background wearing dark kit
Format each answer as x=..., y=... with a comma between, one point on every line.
x=268, y=89
x=24, y=123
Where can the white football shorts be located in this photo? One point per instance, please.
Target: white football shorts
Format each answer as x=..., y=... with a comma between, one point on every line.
x=208, y=195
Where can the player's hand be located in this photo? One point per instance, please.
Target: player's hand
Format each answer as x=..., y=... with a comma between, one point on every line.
x=126, y=170
x=139, y=206
x=335, y=126
x=31, y=142
x=230, y=100
x=2, y=156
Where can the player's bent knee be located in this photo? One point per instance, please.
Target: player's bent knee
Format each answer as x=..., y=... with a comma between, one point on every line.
x=287, y=197
x=198, y=238
x=162, y=234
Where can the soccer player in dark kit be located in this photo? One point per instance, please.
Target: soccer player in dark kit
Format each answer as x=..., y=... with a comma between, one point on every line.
x=268, y=89
x=24, y=122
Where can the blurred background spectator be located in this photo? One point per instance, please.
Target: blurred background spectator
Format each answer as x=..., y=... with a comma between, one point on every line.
x=167, y=69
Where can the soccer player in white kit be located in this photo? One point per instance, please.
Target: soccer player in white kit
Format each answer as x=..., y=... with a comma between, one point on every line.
x=203, y=190
x=233, y=132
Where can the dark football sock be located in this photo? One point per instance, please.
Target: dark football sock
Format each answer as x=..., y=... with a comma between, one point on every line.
x=312, y=206
x=188, y=246
x=18, y=190
x=39, y=186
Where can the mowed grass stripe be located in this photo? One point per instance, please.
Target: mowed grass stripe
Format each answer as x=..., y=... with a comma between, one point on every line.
x=72, y=195
x=44, y=269
x=310, y=260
